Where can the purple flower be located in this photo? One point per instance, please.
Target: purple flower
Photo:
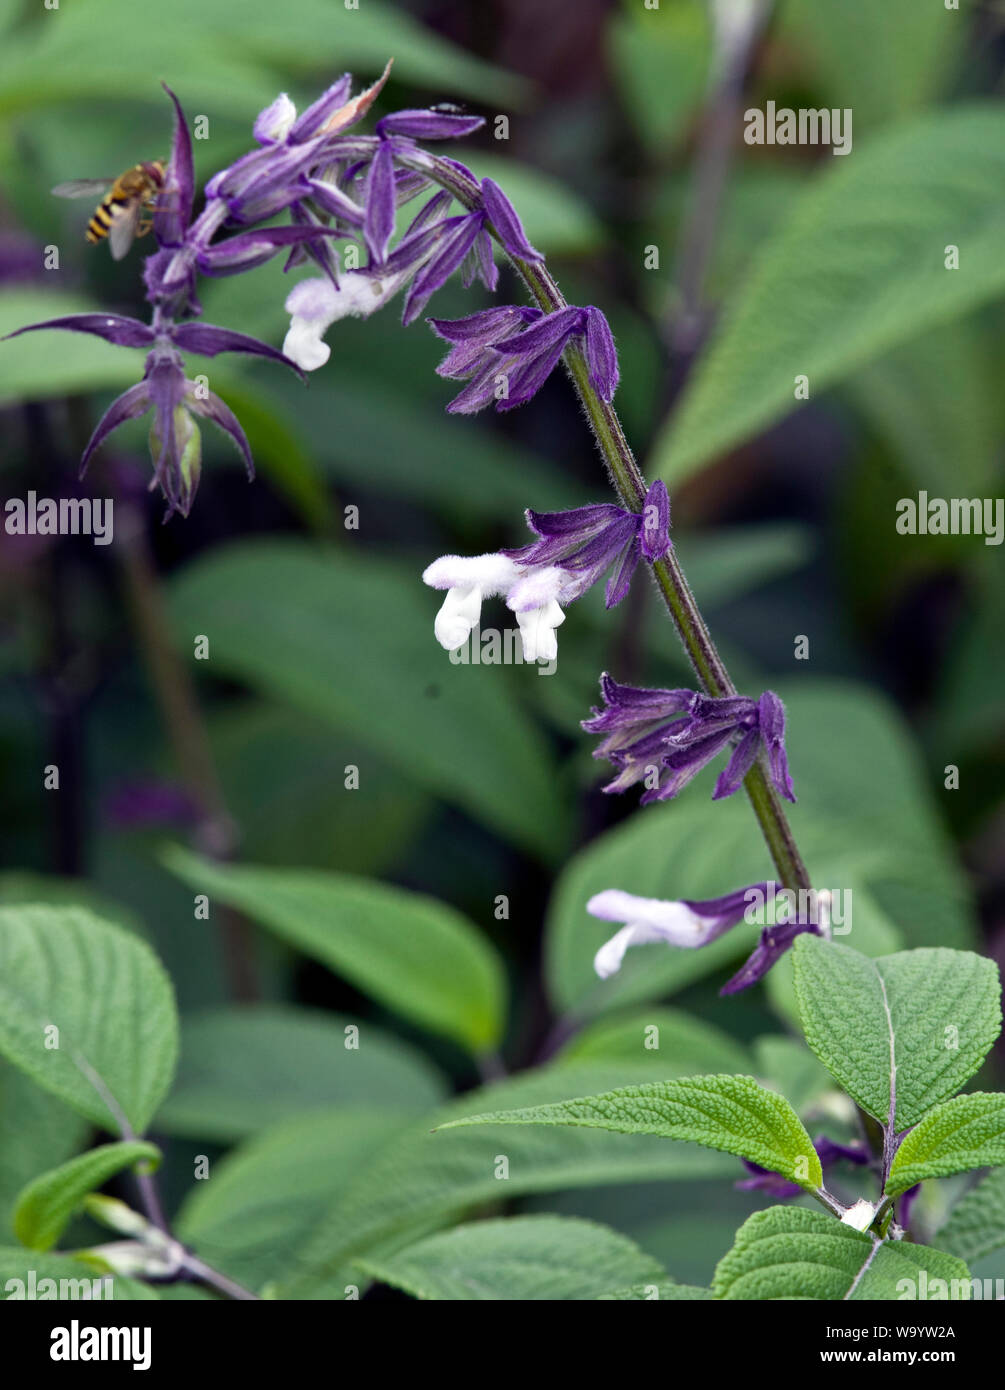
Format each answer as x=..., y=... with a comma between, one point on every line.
x=693, y=924
x=513, y=359
x=776, y=1186
x=174, y=438
x=775, y=941
x=509, y=228
x=665, y=737
x=429, y=252
x=429, y=124
x=648, y=920
x=575, y=549
x=587, y=541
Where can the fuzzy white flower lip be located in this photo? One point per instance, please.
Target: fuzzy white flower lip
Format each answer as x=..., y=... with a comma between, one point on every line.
x=537, y=631
x=315, y=304
x=860, y=1216
x=647, y=920
x=470, y=578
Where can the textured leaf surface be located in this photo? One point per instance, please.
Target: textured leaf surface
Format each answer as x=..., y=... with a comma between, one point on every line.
x=792, y=1253
x=243, y=1069
x=730, y=1113
x=523, y=1257
x=976, y=1225
x=455, y=729
x=46, y=1205
x=965, y=1132
x=421, y=1179
x=416, y=955
x=899, y=1033
x=111, y=1001
x=858, y=267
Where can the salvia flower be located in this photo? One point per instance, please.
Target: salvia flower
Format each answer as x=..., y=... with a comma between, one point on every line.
x=775, y=1185
x=665, y=738
x=693, y=924
x=507, y=358
x=647, y=920
x=334, y=187
x=167, y=392
x=574, y=550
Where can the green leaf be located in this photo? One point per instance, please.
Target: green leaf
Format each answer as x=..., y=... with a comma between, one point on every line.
x=899, y=1033
x=730, y=1113
x=107, y=995
x=858, y=268
x=36, y=1130
x=73, y=1279
x=554, y=1258
x=265, y=1199
x=416, y=955
x=963, y=1133
x=283, y=778
x=790, y=1068
x=976, y=1225
x=661, y=1293
x=243, y=1069
x=423, y=1179
x=661, y=57
x=933, y=398
x=454, y=729
x=103, y=55
x=686, y=1045
x=882, y=61
x=55, y=362
x=46, y=1205
x=792, y=1253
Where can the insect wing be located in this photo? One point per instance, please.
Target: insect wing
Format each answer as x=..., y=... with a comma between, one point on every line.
x=125, y=220
x=83, y=188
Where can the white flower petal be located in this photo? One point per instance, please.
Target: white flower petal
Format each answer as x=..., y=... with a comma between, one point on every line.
x=457, y=617
x=860, y=1216
x=608, y=959
x=537, y=631
x=672, y=922
x=493, y=573
x=304, y=346
x=537, y=586
x=273, y=124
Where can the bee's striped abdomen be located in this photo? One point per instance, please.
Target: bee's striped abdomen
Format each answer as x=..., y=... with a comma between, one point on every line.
x=100, y=223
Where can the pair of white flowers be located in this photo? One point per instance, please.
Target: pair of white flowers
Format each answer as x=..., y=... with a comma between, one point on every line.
x=534, y=593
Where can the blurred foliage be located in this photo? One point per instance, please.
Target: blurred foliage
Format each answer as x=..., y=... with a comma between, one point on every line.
x=439, y=906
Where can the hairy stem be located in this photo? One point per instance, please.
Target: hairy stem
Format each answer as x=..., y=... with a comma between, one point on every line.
x=674, y=589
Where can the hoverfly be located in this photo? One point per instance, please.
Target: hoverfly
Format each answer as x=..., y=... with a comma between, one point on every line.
x=123, y=211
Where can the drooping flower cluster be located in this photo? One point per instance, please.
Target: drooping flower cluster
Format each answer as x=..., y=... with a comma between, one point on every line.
x=336, y=187
x=573, y=551
x=507, y=353
x=665, y=737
